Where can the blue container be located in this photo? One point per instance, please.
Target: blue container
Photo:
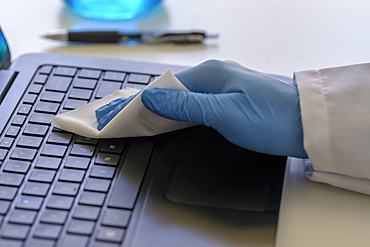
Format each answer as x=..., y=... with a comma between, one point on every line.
x=111, y=9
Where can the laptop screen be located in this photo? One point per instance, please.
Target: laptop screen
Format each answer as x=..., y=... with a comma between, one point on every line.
x=4, y=52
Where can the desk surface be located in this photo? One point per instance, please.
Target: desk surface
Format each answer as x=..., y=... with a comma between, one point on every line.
x=271, y=36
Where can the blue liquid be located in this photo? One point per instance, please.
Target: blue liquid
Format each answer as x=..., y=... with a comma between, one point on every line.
x=4, y=52
x=111, y=9
x=3, y=46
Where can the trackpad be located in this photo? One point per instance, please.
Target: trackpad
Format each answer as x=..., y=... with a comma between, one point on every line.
x=215, y=173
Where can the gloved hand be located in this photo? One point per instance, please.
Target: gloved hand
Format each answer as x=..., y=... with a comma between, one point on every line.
x=250, y=109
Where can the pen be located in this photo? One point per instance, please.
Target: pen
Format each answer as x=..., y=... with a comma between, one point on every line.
x=149, y=37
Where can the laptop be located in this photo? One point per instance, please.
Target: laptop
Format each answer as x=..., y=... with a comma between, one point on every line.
x=189, y=187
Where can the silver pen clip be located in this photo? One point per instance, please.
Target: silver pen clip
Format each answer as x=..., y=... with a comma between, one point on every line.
x=177, y=37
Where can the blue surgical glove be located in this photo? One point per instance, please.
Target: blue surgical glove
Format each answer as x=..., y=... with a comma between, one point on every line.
x=106, y=113
x=250, y=109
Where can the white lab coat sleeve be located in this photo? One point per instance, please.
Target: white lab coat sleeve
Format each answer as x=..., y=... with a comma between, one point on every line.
x=335, y=108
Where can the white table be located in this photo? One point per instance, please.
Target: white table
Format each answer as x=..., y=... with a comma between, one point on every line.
x=271, y=36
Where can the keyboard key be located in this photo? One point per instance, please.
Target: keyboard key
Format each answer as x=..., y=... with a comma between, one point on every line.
x=86, y=140
x=114, y=76
x=40, y=243
x=113, y=146
x=41, y=118
x=48, y=162
x=72, y=175
x=77, y=162
x=140, y=79
x=83, y=150
x=24, y=109
x=102, y=172
x=110, y=234
x=81, y=227
x=41, y=175
x=67, y=189
x=60, y=202
x=99, y=185
x=11, y=243
x=107, y=159
x=6, y=142
x=4, y=207
x=86, y=212
x=60, y=138
x=3, y=153
x=23, y=153
x=24, y=217
x=48, y=231
x=29, y=141
x=40, y=78
x=52, y=96
x=89, y=73
x=107, y=87
x=56, y=129
x=15, y=231
x=128, y=184
x=74, y=240
x=35, y=88
x=47, y=107
x=36, y=129
x=7, y=193
x=12, y=131
x=58, y=83
x=77, y=93
x=19, y=120
x=116, y=217
x=11, y=179
x=17, y=166
x=54, y=216
x=85, y=83
x=65, y=71
x=54, y=150
x=46, y=69
x=36, y=189
x=29, y=202
x=72, y=104
x=92, y=198
x=30, y=98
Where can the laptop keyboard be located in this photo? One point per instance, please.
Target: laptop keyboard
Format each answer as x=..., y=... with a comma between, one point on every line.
x=60, y=189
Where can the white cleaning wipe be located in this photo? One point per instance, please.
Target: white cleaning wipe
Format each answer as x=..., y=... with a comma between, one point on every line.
x=134, y=120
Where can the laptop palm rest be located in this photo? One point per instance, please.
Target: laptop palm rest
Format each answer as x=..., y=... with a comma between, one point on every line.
x=213, y=172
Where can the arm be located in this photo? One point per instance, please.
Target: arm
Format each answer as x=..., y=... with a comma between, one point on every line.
x=262, y=113
x=335, y=107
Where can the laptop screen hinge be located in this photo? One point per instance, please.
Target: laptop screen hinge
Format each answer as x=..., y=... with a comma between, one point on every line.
x=7, y=78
